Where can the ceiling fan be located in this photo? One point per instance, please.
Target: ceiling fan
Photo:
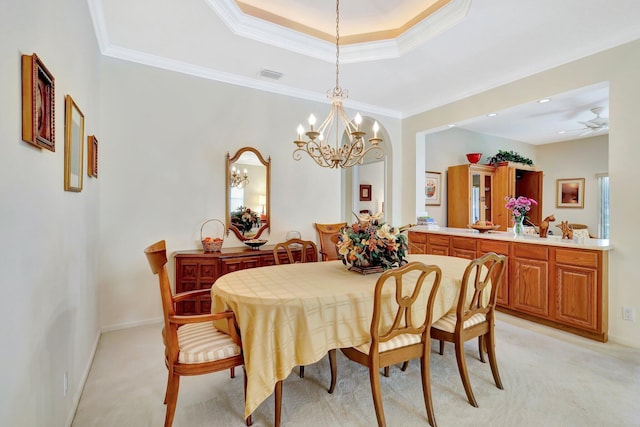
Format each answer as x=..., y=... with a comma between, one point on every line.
x=596, y=124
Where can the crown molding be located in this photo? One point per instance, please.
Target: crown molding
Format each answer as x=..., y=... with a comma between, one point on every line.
x=282, y=37
x=248, y=82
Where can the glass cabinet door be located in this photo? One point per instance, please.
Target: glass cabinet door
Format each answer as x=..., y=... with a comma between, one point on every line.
x=480, y=206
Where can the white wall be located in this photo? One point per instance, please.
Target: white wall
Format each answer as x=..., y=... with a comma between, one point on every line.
x=619, y=67
x=49, y=237
x=163, y=166
x=582, y=158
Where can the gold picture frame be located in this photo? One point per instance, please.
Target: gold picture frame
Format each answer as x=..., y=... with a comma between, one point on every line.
x=38, y=103
x=92, y=156
x=570, y=193
x=432, y=188
x=73, y=145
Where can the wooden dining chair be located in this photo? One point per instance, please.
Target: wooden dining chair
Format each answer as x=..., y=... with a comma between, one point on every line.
x=327, y=232
x=308, y=251
x=474, y=317
x=193, y=346
x=304, y=246
x=407, y=338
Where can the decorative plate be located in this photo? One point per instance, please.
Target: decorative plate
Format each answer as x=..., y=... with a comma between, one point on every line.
x=483, y=228
x=254, y=243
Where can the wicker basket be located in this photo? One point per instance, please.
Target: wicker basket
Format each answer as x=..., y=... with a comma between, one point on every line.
x=213, y=244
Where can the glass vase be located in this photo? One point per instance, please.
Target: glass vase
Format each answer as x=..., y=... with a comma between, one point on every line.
x=518, y=226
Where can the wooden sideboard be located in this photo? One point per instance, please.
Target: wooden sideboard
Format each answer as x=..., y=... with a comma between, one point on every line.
x=563, y=286
x=196, y=269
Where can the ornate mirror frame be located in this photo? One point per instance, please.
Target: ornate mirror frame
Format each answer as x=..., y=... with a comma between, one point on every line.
x=265, y=218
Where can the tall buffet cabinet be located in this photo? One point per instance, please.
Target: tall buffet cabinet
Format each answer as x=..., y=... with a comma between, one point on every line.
x=477, y=193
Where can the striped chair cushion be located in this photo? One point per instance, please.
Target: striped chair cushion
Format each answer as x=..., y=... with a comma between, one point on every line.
x=201, y=342
x=397, y=342
x=448, y=322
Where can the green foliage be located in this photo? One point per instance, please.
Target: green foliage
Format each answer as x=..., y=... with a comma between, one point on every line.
x=509, y=156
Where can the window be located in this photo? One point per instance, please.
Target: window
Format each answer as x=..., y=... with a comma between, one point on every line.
x=603, y=208
x=237, y=198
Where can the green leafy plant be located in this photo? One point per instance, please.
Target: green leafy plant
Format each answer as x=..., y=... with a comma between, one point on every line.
x=370, y=243
x=509, y=156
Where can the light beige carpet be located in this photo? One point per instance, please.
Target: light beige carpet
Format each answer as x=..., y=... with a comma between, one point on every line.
x=551, y=378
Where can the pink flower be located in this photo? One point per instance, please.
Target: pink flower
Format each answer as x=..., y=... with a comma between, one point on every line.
x=520, y=206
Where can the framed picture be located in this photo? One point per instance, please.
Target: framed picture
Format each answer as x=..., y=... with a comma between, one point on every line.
x=365, y=193
x=73, y=141
x=38, y=103
x=432, y=188
x=92, y=156
x=570, y=193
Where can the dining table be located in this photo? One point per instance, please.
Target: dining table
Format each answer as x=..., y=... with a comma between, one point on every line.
x=293, y=314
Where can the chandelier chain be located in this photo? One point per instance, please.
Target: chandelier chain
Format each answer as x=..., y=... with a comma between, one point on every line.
x=337, y=89
x=351, y=145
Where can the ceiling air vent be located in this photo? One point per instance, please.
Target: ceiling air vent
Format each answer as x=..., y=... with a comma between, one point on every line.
x=270, y=74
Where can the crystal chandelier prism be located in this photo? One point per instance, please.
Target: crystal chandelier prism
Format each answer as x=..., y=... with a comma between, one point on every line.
x=356, y=145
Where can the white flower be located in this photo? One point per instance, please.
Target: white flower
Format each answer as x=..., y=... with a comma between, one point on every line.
x=386, y=232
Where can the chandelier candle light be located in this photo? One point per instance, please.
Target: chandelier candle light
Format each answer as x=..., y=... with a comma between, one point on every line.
x=353, y=151
x=237, y=179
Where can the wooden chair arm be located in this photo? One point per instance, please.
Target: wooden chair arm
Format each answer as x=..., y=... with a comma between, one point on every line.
x=199, y=318
x=191, y=294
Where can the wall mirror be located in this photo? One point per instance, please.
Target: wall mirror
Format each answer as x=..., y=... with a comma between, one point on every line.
x=248, y=178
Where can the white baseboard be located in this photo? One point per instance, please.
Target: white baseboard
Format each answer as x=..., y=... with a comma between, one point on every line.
x=624, y=341
x=83, y=379
x=128, y=325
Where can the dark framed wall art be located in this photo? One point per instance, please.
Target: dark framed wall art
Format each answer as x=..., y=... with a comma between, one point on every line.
x=365, y=193
x=92, y=156
x=38, y=103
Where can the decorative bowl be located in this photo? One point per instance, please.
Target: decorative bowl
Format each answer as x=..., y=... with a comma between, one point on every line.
x=483, y=228
x=474, y=157
x=254, y=243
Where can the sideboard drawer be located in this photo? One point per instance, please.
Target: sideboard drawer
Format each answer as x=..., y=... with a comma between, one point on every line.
x=501, y=248
x=532, y=252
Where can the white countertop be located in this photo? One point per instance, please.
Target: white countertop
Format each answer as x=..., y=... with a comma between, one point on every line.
x=551, y=240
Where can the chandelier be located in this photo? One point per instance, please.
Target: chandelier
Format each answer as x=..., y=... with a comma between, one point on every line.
x=237, y=179
x=354, y=149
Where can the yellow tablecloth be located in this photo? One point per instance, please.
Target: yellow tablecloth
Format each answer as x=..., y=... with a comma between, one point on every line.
x=291, y=315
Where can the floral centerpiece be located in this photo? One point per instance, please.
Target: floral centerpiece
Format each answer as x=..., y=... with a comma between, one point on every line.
x=244, y=219
x=369, y=244
x=519, y=208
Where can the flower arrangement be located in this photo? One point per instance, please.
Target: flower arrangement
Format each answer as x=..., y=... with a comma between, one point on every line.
x=244, y=218
x=519, y=207
x=369, y=243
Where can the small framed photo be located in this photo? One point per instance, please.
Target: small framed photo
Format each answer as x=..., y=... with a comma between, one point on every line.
x=38, y=103
x=570, y=193
x=92, y=156
x=73, y=142
x=365, y=193
x=432, y=188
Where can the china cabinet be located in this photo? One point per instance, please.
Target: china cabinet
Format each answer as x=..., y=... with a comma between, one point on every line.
x=477, y=193
x=469, y=194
